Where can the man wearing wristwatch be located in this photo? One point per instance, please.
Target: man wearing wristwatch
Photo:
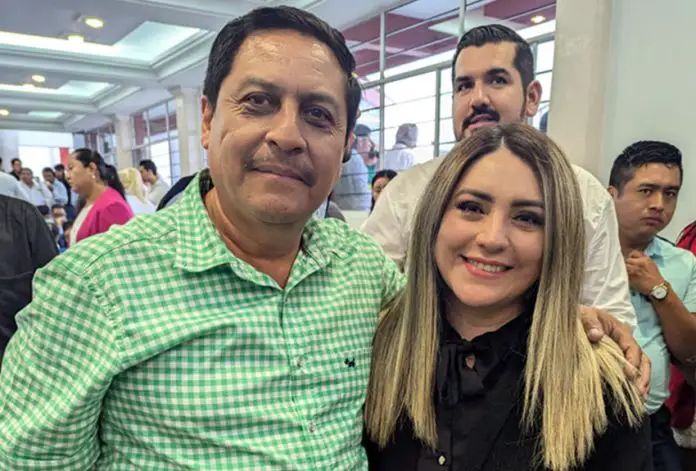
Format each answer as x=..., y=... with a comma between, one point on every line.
x=645, y=182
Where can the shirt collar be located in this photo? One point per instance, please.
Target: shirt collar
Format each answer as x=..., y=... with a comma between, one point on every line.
x=200, y=248
x=654, y=250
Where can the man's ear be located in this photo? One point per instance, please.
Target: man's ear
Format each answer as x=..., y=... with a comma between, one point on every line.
x=613, y=191
x=207, y=114
x=533, y=98
x=348, y=150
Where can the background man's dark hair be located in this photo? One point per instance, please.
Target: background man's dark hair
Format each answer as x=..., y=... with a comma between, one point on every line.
x=57, y=206
x=148, y=164
x=640, y=154
x=233, y=35
x=15, y=160
x=59, y=168
x=495, y=34
x=49, y=170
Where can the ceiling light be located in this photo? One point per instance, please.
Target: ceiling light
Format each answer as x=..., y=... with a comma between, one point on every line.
x=4, y=112
x=75, y=38
x=93, y=22
x=538, y=19
x=38, y=78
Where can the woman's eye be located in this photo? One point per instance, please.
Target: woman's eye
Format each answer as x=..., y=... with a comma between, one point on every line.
x=531, y=219
x=469, y=207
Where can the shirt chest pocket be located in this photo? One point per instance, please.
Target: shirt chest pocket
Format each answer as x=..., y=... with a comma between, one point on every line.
x=338, y=377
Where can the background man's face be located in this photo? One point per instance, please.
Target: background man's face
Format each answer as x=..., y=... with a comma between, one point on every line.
x=58, y=214
x=647, y=202
x=276, y=139
x=147, y=175
x=26, y=177
x=488, y=89
x=17, y=166
x=363, y=144
x=48, y=176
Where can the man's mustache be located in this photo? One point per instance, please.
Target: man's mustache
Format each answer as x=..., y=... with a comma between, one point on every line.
x=291, y=168
x=490, y=113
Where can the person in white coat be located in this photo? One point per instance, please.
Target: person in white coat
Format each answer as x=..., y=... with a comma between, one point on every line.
x=401, y=156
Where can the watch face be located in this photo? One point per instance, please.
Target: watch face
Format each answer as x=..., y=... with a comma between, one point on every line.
x=659, y=292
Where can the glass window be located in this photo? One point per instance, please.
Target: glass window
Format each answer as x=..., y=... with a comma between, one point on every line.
x=140, y=132
x=545, y=80
x=363, y=41
x=156, y=138
x=544, y=56
x=419, y=30
x=421, y=35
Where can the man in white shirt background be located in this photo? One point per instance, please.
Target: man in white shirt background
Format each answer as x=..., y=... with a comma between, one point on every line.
x=157, y=187
x=39, y=195
x=493, y=82
x=12, y=188
x=401, y=156
x=55, y=186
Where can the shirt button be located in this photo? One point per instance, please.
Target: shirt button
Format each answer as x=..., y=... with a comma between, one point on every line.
x=442, y=460
x=470, y=361
x=299, y=362
x=312, y=427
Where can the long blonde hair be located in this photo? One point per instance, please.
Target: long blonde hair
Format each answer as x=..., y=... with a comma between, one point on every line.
x=133, y=183
x=566, y=379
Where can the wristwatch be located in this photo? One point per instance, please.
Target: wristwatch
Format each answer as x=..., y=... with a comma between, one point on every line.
x=660, y=291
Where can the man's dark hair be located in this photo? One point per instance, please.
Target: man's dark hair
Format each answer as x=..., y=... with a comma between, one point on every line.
x=233, y=35
x=148, y=164
x=640, y=154
x=495, y=34
x=48, y=169
x=57, y=206
x=59, y=168
x=15, y=160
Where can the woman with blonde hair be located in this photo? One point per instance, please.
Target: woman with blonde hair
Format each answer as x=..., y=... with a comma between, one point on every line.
x=135, y=191
x=481, y=363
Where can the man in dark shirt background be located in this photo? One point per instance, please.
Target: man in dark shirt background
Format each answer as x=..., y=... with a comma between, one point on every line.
x=16, y=168
x=26, y=244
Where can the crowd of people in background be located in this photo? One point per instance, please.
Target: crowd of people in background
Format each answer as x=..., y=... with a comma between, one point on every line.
x=463, y=326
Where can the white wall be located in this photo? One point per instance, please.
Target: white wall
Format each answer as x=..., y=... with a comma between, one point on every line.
x=45, y=139
x=651, y=87
x=36, y=149
x=9, y=147
x=624, y=72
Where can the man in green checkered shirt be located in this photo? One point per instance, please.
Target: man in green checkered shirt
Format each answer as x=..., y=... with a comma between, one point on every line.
x=231, y=331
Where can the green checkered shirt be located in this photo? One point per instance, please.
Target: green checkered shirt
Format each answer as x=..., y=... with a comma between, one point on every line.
x=153, y=347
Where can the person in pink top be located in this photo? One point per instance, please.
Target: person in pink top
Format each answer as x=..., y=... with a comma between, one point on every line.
x=102, y=197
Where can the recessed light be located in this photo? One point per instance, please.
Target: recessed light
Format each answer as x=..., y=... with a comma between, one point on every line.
x=538, y=19
x=38, y=78
x=4, y=112
x=75, y=38
x=93, y=22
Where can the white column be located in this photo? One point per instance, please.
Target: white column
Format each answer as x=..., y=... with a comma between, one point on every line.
x=623, y=73
x=583, y=31
x=123, y=127
x=9, y=148
x=188, y=121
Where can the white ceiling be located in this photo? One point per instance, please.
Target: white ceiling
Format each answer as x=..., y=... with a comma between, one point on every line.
x=145, y=48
